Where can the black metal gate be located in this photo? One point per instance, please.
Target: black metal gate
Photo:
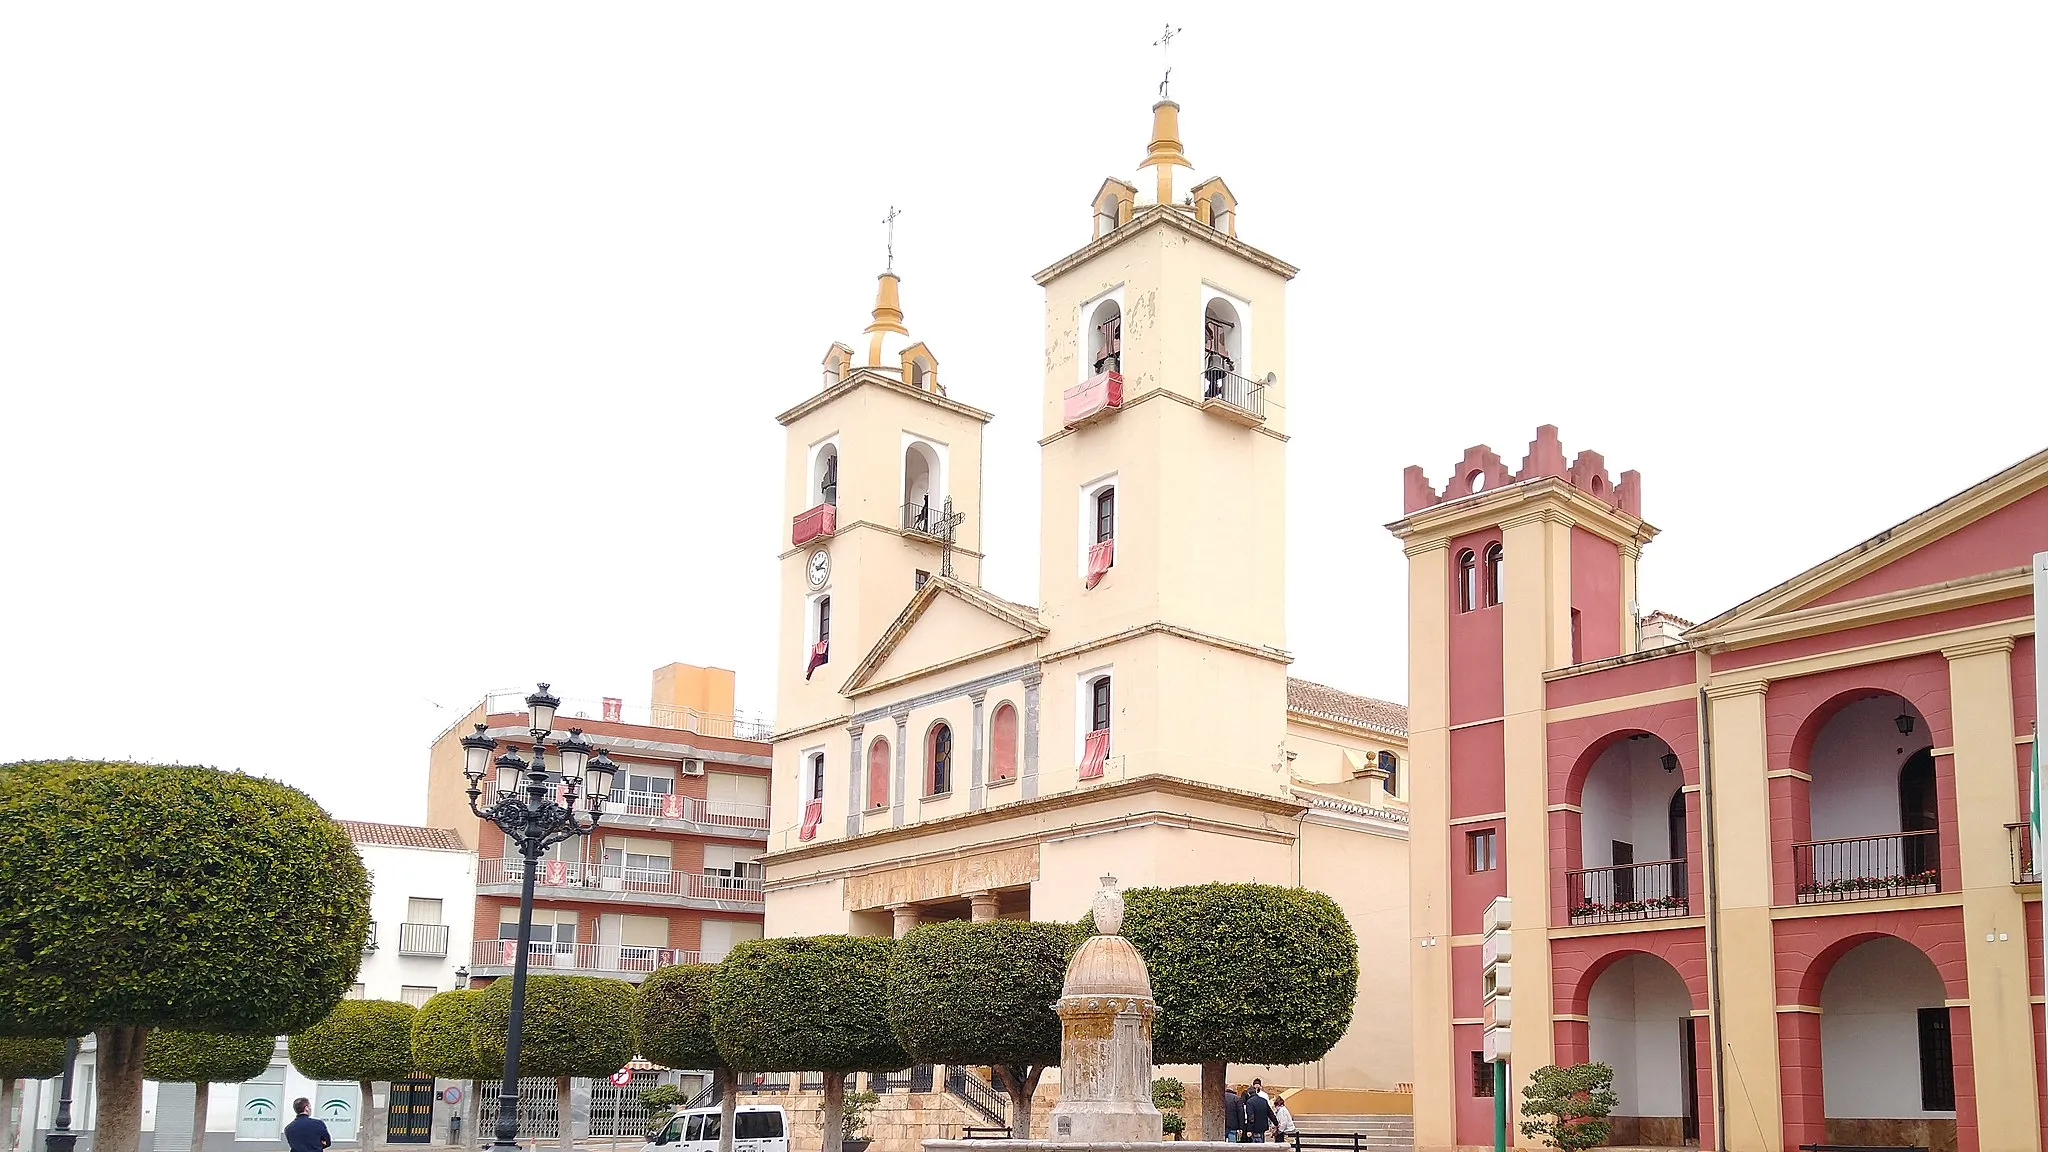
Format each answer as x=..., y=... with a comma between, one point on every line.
x=412, y=1111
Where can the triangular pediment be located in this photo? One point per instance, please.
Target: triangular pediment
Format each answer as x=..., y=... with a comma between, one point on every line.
x=945, y=624
x=1975, y=546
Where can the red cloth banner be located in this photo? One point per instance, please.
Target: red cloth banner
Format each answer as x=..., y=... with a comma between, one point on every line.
x=1100, y=558
x=814, y=814
x=1094, y=754
x=818, y=654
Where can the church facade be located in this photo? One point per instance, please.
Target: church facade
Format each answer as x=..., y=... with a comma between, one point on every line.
x=946, y=753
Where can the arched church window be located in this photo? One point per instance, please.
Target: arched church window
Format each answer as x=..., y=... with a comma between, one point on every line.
x=1002, y=743
x=938, y=759
x=1222, y=344
x=1105, y=213
x=922, y=500
x=920, y=373
x=1468, y=581
x=1493, y=585
x=878, y=773
x=1106, y=331
x=1219, y=212
x=825, y=476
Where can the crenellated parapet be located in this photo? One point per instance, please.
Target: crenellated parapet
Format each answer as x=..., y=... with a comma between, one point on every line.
x=1482, y=470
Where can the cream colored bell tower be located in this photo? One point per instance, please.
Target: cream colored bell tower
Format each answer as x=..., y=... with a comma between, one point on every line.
x=874, y=459
x=1164, y=433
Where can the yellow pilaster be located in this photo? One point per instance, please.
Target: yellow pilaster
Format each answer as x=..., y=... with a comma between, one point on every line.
x=1994, y=917
x=1741, y=933
x=1536, y=636
x=1429, y=910
x=1631, y=638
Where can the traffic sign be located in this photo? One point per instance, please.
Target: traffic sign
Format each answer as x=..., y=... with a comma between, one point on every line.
x=623, y=1076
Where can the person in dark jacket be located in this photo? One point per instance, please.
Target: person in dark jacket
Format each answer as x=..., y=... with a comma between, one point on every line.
x=1233, y=1116
x=1258, y=1116
x=304, y=1133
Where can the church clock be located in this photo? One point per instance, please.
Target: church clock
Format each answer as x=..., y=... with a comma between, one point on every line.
x=820, y=568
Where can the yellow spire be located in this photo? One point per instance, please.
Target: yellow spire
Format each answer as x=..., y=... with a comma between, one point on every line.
x=888, y=317
x=1166, y=154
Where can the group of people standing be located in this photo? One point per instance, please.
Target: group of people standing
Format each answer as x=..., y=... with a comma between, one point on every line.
x=1251, y=1117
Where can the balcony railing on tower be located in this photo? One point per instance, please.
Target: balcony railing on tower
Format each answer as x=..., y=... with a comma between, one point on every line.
x=2021, y=839
x=1650, y=891
x=1238, y=397
x=1866, y=867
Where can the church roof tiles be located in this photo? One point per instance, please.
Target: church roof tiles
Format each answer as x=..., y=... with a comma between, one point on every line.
x=1325, y=702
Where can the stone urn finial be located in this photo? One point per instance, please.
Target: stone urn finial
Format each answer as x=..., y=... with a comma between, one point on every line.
x=1109, y=908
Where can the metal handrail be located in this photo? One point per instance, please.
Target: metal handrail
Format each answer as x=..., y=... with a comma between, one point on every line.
x=1618, y=892
x=2020, y=841
x=1862, y=867
x=690, y=809
x=1235, y=390
x=622, y=878
x=422, y=939
x=919, y=516
x=582, y=957
x=729, y=725
x=977, y=1093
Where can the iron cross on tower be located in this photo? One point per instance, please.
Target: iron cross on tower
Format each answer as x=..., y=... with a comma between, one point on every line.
x=1165, y=46
x=943, y=527
x=890, y=220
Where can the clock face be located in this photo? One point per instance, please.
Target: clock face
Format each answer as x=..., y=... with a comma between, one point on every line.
x=821, y=567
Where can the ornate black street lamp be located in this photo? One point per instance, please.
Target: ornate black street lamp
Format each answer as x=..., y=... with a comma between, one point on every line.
x=60, y=1137
x=537, y=810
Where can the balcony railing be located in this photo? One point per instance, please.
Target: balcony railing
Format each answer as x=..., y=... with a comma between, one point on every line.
x=2021, y=838
x=689, y=810
x=618, y=711
x=811, y=523
x=370, y=940
x=627, y=881
x=1247, y=396
x=1095, y=398
x=922, y=516
x=1866, y=867
x=1649, y=891
x=492, y=954
x=422, y=939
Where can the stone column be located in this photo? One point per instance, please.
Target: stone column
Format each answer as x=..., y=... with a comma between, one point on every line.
x=854, y=773
x=907, y=917
x=982, y=905
x=1027, y=777
x=896, y=797
x=974, y=792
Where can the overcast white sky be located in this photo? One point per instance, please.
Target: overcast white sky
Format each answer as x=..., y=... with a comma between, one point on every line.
x=358, y=359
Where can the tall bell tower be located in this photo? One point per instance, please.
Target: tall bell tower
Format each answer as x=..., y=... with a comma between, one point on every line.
x=1164, y=419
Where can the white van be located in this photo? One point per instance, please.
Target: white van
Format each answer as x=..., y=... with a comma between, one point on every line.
x=756, y=1128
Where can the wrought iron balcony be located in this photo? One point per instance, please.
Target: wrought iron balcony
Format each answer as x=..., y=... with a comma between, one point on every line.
x=422, y=939
x=1095, y=398
x=495, y=957
x=1651, y=891
x=2021, y=839
x=922, y=517
x=814, y=523
x=1236, y=398
x=1866, y=867
x=560, y=879
x=687, y=813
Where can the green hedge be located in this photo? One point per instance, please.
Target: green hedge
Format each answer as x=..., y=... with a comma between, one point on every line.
x=205, y=1057
x=573, y=1026
x=444, y=1038
x=1243, y=973
x=806, y=1003
x=31, y=1057
x=360, y=1040
x=171, y=897
x=672, y=1016
x=968, y=993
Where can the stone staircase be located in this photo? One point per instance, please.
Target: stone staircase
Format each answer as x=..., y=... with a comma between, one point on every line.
x=1385, y=1133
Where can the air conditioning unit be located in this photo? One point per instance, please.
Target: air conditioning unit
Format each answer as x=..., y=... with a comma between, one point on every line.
x=693, y=767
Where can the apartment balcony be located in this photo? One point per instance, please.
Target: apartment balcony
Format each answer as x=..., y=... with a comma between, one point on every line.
x=422, y=939
x=2021, y=839
x=495, y=958
x=673, y=813
x=616, y=884
x=813, y=524
x=370, y=939
x=1094, y=399
x=1652, y=891
x=1867, y=867
x=1235, y=398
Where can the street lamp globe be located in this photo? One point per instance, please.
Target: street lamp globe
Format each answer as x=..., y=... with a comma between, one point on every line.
x=476, y=756
x=511, y=771
x=540, y=710
x=597, y=779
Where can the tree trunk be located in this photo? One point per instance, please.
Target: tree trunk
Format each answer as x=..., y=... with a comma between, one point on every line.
x=725, y=1083
x=7, y=1116
x=1021, y=1082
x=835, y=1111
x=566, y=1113
x=118, y=1073
x=199, y=1094
x=366, y=1116
x=1213, y=1073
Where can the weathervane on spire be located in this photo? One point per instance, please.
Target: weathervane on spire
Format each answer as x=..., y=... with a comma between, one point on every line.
x=890, y=220
x=1165, y=46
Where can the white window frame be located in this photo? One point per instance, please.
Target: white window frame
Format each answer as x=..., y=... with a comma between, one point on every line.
x=1084, y=511
x=941, y=483
x=811, y=469
x=804, y=783
x=1084, y=707
x=811, y=621
x=1083, y=362
x=1244, y=325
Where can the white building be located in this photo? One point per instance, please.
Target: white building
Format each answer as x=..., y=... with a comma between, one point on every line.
x=422, y=912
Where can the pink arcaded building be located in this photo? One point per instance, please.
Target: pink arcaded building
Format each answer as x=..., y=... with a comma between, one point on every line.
x=1772, y=866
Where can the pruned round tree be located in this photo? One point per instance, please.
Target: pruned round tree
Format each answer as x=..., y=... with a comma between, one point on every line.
x=146, y=896
x=444, y=1045
x=366, y=1041
x=982, y=993
x=25, y=1058
x=1244, y=974
x=808, y=1004
x=572, y=1026
x=203, y=1059
x=672, y=1016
